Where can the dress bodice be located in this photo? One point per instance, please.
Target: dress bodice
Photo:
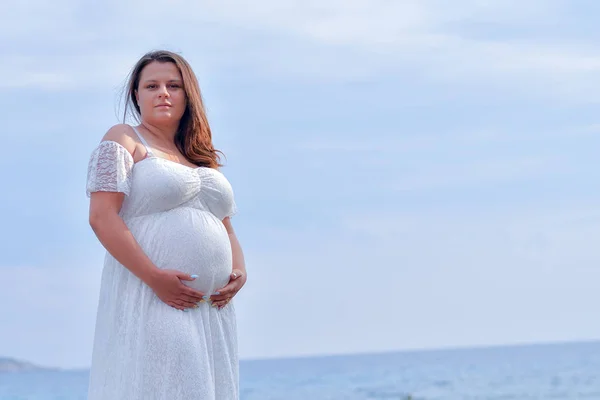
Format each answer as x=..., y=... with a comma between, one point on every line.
x=155, y=185
x=159, y=185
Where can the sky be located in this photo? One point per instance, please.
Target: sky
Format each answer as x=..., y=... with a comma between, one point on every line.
x=408, y=174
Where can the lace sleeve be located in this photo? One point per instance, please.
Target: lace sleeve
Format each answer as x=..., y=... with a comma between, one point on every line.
x=109, y=169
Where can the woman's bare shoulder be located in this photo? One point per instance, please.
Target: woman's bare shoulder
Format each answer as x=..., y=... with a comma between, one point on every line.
x=122, y=134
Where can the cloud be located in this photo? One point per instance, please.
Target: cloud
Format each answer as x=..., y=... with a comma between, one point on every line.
x=367, y=23
x=453, y=158
x=326, y=40
x=478, y=172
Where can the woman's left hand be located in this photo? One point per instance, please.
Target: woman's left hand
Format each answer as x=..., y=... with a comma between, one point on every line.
x=237, y=279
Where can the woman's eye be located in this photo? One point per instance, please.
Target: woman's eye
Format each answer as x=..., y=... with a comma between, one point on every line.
x=154, y=86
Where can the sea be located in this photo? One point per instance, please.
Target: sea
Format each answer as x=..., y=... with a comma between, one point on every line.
x=566, y=371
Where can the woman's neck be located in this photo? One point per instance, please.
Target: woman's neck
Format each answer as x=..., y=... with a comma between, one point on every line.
x=162, y=133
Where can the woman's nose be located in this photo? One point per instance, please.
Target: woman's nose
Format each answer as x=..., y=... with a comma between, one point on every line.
x=163, y=92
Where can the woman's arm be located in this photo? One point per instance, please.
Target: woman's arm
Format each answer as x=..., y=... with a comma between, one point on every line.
x=115, y=236
x=236, y=249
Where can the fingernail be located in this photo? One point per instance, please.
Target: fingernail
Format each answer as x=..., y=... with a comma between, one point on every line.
x=217, y=293
x=205, y=297
x=194, y=276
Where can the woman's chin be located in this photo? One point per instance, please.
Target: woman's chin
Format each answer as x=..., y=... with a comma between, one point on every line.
x=163, y=118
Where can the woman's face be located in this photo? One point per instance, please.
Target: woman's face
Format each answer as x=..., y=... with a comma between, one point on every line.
x=160, y=94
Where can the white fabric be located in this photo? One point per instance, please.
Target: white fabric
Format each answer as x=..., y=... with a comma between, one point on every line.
x=109, y=169
x=143, y=348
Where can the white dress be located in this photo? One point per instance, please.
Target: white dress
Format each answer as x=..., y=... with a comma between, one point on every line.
x=143, y=348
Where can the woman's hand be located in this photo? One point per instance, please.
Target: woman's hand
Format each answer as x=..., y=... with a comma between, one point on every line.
x=237, y=279
x=168, y=287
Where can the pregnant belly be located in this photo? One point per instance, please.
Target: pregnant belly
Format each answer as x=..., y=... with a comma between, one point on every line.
x=187, y=240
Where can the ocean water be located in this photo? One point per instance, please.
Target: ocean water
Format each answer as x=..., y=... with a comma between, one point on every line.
x=558, y=372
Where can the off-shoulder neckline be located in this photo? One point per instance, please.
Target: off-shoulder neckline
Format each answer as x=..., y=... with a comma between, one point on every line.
x=158, y=158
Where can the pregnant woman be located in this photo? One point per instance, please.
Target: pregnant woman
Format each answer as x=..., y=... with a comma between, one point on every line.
x=166, y=326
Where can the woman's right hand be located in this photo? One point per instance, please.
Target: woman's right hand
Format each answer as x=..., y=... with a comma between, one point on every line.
x=168, y=287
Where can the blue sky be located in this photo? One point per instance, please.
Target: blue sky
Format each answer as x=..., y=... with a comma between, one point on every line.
x=408, y=174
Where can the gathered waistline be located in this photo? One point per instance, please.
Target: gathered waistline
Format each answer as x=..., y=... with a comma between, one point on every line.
x=131, y=217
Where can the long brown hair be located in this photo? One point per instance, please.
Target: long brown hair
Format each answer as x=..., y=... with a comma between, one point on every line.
x=193, y=137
